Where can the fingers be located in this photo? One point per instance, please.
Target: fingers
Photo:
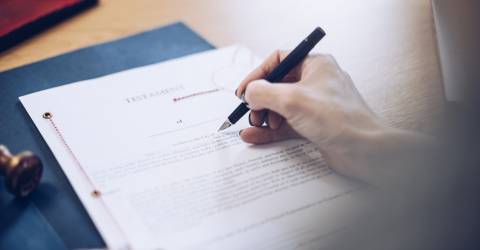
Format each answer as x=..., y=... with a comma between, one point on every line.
x=319, y=66
x=258, y=118
x=262, y=71
x=310, y=68
x=274, y=120
x=276, y=97
x=264, y=135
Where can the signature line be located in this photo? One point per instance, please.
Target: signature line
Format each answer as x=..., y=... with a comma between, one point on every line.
x=183, y=128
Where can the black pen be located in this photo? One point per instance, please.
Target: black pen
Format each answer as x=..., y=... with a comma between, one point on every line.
x=291, y=61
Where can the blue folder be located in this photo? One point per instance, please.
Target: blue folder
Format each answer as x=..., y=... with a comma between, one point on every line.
x=53, y=217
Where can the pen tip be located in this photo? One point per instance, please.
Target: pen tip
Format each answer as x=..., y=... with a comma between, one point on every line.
x=225, y=125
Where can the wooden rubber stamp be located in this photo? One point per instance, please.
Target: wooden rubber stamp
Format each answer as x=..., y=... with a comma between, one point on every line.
x=22, y=172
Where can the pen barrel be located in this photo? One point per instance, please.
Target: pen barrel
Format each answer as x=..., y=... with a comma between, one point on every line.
x=238, y=113
x=292, y=60
x=295, y=57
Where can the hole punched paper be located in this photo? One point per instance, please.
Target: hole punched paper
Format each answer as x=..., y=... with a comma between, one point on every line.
x=153, y=173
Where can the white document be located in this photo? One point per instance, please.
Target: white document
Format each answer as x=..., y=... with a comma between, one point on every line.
x=145, y=139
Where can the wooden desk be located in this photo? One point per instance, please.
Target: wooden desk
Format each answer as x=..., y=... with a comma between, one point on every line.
x=388, y=46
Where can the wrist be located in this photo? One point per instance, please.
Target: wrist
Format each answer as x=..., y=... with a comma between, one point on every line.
x=382, y=155
x=358, y=152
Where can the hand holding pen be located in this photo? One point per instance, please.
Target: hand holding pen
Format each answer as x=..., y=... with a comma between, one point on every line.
x=292, y=60
x=318, y=101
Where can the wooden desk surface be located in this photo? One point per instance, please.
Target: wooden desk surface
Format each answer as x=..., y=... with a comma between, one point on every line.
x=388, y=46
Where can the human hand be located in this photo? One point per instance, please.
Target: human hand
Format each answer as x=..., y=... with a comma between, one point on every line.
x=322, y=106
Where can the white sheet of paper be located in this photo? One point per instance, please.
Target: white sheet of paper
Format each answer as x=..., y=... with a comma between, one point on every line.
x=167, y=179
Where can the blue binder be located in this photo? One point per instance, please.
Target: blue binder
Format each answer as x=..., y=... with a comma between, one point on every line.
x=53, y=217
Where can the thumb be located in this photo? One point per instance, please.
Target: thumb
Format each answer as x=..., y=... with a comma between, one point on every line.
x=261, y=94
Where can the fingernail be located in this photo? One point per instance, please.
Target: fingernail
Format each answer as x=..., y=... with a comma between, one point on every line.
x=240, y=132
x=250, y=119
x=236, y=92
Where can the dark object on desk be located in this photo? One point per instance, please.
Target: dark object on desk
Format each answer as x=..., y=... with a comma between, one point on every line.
x=54, y=218
x=458, y=38
x=22, y=172
x=293, y=59
x=21, y=19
